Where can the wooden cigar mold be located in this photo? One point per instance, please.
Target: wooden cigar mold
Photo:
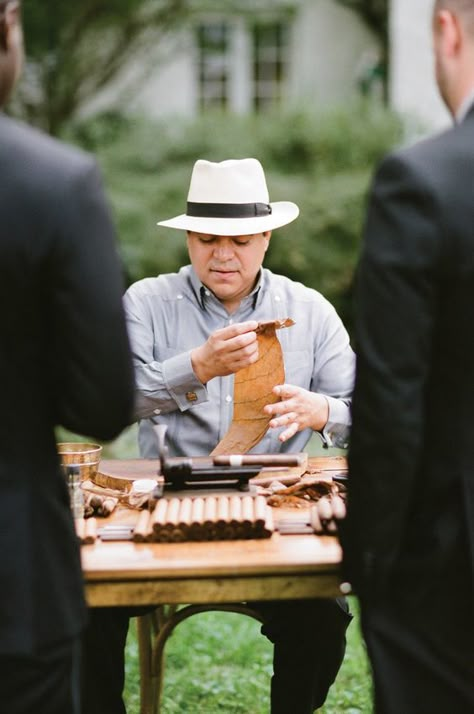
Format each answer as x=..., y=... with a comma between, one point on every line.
x=205, y=518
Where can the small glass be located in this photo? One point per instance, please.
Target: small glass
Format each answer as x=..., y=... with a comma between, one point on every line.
x=76, y=496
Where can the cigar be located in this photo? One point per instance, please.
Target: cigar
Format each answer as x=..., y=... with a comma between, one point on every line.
x=267, y=530
x=158, y=517
x=173, y=527
x=141, y=532
x=222, y=510
x=247, y=510
x=185, y=509
x=210, y=517
x=338, y=508
x=177, y=535
x=196, y=529
x=260, y=510
x=236, y=517
x=90, y=531
x=108, y=506
x=258, y=459
x=235, y=509
x=80, y=526
x=172, y=514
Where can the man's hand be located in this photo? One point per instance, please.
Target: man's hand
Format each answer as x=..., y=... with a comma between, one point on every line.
x=298, y=409
x=226, y=351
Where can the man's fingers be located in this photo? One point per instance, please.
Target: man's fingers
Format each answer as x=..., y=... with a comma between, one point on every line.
x=238, y=328
x=244, y=340
x=285, y=391
x=289, y=432
x=283, y=419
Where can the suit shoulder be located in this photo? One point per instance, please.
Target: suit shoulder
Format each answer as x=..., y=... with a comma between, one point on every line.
x=432, y=157
x=37, y=150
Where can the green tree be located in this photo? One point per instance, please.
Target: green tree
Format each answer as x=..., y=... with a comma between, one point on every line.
x=76, y=48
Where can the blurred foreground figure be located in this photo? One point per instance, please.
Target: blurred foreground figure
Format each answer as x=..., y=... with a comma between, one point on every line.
x=409, y=534
x=64, y=359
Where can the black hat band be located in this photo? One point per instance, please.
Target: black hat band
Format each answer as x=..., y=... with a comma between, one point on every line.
x=228, y=210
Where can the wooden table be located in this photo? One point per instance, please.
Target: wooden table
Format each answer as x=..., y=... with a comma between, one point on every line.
x=205, y=576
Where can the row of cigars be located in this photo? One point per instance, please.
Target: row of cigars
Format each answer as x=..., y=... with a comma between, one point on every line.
x=199, y=518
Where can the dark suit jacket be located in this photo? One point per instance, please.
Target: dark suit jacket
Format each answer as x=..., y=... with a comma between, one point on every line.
x=64, y=359
x=411, y=458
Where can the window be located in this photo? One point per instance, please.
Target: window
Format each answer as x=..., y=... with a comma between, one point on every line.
x=242, y=67
x=213, y=45
x=270, y=43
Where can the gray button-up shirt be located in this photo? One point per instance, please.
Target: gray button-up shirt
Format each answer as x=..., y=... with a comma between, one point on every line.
x=168, y=316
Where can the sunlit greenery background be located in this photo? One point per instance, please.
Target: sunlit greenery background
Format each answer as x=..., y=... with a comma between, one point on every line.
x=322, y=162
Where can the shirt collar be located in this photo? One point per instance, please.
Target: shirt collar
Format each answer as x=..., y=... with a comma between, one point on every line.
x=201, y=291
x=466, y=105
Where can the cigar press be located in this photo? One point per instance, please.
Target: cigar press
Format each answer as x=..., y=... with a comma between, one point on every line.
x=180, y=472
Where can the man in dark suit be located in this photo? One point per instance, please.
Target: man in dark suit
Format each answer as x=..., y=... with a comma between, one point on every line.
x=409, y=534
x=64, y=360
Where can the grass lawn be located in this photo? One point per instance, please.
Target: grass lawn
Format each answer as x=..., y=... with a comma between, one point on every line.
x=219, y=663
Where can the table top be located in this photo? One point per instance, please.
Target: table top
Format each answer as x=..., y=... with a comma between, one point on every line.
x=282, y=566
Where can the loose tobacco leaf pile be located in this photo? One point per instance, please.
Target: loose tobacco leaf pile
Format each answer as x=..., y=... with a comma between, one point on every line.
x=253, y=387
x=305, y=493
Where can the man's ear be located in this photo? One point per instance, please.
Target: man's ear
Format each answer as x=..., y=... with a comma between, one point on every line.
x=9, y=25
x=267, y=235
x=449, y=33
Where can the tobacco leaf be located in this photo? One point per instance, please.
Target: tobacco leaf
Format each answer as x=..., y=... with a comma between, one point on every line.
x=253, y=387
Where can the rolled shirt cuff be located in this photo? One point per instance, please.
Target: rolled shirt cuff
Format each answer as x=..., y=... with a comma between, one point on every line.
x=182, y=383
x=337, y=430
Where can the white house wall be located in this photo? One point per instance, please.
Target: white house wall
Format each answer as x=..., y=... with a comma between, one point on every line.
x=413, y=90
x=328, y=46
x=331, y=46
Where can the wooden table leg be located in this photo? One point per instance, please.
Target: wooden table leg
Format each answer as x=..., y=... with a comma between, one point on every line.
x=153, y=630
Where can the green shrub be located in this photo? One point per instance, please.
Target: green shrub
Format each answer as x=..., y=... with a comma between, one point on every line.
x=322, y=162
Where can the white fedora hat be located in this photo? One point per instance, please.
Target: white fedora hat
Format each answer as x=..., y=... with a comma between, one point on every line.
x=230, y=198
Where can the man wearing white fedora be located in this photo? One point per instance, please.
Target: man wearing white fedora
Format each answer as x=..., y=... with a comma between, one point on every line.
x=190, y=333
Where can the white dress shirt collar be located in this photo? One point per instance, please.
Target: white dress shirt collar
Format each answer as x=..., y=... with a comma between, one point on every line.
x=465, y=106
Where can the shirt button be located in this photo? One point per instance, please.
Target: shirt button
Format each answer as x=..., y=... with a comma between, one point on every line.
x=228, y=399
x=207, y=293
x=191, y=396
x=277, y=298
x=231, y=322
x=156, y=411
x=179, y=297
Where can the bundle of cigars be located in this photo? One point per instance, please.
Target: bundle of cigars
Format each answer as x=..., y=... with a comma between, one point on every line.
x=203, y=518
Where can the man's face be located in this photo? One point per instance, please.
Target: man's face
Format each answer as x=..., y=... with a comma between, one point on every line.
x=228, y=265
